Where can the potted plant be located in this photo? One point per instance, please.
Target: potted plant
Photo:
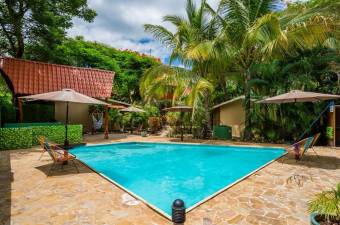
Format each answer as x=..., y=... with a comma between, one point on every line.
x=325, y=208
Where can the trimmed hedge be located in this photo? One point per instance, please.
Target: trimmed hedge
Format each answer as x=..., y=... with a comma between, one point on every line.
x=21, y=138
x=17, y=125
x=15, y=138
x=57, y=133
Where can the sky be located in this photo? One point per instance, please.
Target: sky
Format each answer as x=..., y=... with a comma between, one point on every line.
x=119, y=23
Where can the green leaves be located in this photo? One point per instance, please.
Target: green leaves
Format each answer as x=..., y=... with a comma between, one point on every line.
x=327, y=204
x=22, y=138
x=15, y=138
x=128, y=66
x=37, y=26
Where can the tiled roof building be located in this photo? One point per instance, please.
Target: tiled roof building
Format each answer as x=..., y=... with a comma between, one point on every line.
x=31, y=77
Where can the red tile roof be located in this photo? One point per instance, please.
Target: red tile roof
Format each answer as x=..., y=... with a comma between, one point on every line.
x=31, y=77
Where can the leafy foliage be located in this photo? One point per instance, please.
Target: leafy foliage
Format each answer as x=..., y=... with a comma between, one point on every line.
x=311, y=70
x=243, y=40
x=25, y=137
x=57, y=133
x=327, y=204
x=131, y=120
x=190, y=44
x=38, y=25
x=15, y=138
x=128, y=66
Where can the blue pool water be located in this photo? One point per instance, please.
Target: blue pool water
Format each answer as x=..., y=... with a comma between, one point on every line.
x=160, y=173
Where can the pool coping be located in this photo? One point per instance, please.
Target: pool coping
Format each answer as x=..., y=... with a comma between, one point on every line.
x=161, y=212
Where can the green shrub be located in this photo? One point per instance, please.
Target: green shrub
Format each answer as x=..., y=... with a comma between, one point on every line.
x=57, y=133
x=326, y=204
x=21, y=138
x=75, y=134
x=15, y=138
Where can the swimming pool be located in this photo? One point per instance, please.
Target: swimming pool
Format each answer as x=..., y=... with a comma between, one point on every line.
x=159, y=173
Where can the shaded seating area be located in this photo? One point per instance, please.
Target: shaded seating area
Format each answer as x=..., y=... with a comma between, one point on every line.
x=301, y=147
x=59, y=155
x=24, y=77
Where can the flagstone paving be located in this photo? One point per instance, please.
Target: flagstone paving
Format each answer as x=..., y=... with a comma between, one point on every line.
x=277, y=194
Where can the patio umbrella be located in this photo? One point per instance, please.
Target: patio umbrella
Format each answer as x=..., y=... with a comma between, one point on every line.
x=65, y=95
x=299, y=96
x=302, y=96
x=132, y=109
x=180, y=109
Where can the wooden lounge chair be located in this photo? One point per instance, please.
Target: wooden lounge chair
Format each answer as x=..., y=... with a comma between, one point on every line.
x=316, y=138
x=42, y=140
x=301, y=147
x=59, y=156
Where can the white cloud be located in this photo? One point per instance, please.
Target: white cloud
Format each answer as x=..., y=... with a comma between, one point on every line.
x=119, y=23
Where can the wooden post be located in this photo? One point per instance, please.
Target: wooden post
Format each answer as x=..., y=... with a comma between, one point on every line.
x=21, y=113
x=106, y=123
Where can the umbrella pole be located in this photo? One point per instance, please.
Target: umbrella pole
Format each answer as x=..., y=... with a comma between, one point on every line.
x=66, y=129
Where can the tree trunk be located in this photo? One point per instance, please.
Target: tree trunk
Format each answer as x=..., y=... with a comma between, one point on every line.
x=15, y=35
x=19, y=38
x=207, y=130
x=247, y=107
x=21, y=47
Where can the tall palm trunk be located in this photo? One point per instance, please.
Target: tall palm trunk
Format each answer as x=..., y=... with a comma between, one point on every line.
x=207, y=130
x=247, y=106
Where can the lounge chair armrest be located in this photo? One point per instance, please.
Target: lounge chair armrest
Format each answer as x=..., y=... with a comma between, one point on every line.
x=61, y=149
x=300, y=143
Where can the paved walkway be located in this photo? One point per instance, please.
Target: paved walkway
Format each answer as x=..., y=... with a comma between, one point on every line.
x=277, y=194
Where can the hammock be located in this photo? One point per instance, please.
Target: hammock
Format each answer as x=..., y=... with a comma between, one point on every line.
x=97, y=123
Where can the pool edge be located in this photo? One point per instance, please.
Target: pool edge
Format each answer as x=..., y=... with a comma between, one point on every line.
x=157, y=210
x=161, y=212
x=234, y=183
x=188, y=143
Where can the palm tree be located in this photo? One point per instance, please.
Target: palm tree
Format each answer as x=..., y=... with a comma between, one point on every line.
x=241, y=34
x=327, y=205
x=187, y=46
x=174, y=84
x=252, y=32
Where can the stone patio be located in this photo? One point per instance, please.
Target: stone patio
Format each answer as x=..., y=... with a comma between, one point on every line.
x=277, y=194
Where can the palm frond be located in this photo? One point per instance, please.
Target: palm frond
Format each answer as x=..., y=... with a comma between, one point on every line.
x=161, y=34
x=175, y=20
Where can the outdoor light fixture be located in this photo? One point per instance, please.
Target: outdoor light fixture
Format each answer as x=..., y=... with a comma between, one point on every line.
x=178, y=212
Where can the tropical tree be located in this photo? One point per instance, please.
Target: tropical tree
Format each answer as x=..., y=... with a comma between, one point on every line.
x=190, y=32
x=252, y=33
x=175, y=85
x=37, y=24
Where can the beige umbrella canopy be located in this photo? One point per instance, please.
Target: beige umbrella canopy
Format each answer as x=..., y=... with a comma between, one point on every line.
x=299, y=96
x=302, y=96
x=178, y=109
x=65, y=95
x=132, y=109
